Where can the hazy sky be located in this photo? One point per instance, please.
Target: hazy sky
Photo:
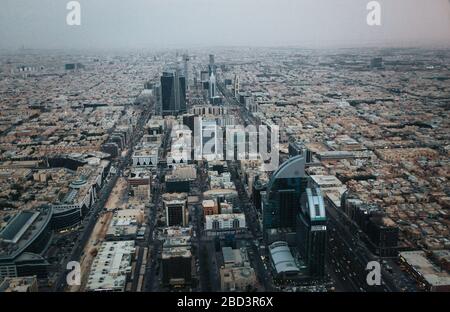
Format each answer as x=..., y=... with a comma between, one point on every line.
x=188, y=23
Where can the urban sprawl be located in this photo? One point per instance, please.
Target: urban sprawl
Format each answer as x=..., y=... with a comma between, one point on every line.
x=118, y=173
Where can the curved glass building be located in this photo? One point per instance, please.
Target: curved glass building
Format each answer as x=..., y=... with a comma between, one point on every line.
x=292, y=205
x=23, y=241
x=282, y=201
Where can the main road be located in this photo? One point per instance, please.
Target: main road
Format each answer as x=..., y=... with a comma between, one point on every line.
x=90, y=220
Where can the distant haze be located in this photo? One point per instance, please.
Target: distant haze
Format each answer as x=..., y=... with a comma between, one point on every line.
x=189, y=23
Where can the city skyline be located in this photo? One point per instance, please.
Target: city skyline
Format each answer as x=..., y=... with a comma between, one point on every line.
x=241, y=148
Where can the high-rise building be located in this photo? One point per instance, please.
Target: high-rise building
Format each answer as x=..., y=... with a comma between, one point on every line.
x=186, y=69
x=312, y=232
x=212, y=86
x=175, y=207
x=376, y=62
x=176, y=261
x=173, y=93
x=158, y=98
x=236, y=86
x=212, y=65
x=282, y=201
x=383, y=236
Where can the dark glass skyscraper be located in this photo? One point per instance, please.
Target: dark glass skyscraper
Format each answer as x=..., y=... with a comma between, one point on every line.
x=312, y=232
x=290, y=203
x=211, y=65
x=173, y=93
x=282, y=201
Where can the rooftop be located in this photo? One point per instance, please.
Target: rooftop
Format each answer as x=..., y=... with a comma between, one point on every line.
x=423, y=266
x=282, y=258
x=111, y=266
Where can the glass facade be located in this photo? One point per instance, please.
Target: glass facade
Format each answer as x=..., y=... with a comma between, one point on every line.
x=312, y=232
x=282, y=202
x=173, y=93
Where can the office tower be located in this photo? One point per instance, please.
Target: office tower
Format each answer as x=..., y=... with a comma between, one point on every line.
x=175, y=207
x=312, y=232
x=212, y=86
x=158, y=98
x=186, y=69
x=282, y=200
x=376, y=62
x=173, y=93
x=236, y=86
x=383, y=236
x=212, y=65
x=176, y=258
x=176, y=266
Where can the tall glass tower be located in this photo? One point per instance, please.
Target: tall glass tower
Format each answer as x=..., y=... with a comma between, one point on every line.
x=312, y=232
x=173, y=93
x=282, y=201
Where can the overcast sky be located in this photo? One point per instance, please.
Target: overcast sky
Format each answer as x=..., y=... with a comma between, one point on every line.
x=188, y=23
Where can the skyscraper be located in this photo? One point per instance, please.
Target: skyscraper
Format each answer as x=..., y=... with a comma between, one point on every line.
x=158, y=98
x=175, y=206
x=312, y=231
x=212, y=65
x=282, y=201
x=186, y=68
x=236, y=86
x=173, y=93
x=212, y=86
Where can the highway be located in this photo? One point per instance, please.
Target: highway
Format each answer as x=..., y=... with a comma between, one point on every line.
x=353, y=255
x=155, y=245
x=90, y=219
x=251, y=215
x=202, y=244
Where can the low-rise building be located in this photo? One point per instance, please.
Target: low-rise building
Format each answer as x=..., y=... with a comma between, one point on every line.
x=232, y=222
x=283, y=262
x=428, y=274
x=19, y=284
x=111, y=267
